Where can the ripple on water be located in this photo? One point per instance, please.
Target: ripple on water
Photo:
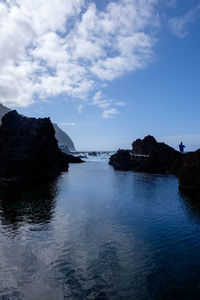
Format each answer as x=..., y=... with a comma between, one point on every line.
x=94, y=233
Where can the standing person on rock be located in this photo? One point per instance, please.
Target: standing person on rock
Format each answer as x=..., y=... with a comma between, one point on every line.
x=181, y=147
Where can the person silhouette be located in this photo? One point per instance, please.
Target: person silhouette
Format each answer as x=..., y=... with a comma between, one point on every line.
x=181, y=147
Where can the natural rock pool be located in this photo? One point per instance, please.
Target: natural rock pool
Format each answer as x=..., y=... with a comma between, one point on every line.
x=97, y=233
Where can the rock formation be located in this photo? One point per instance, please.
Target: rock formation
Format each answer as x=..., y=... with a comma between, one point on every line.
x=189, y=172
x=74, y=159
x=65, y=142
x=29, y=149
x=121, y=160
x=149, y=156
x=93, y=153
x=163, y=159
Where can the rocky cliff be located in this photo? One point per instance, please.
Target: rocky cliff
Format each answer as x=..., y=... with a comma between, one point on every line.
x=29, y=149
x=61, y=136
x=3, y=110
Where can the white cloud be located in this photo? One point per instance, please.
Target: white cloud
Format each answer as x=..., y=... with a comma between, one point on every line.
x=68, y=124
x=100, y=100
x=108, y=114
x=58, y=47
x=179, y=25
x=120, y=103
x=103, y=102
x=80, y=108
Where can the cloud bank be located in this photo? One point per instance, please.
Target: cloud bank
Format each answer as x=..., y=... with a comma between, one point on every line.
x=69, y=47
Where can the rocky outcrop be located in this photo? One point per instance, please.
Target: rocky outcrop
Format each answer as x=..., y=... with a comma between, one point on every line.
x=65, y=142
x=163, y=159
x=121, y=160
x=149, y=146
x=93, y=153
x=149, y=156
x=189, y=172
x=74, y=159
x=29, y=149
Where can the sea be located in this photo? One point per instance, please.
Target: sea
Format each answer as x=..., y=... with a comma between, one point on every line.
x=97, y=233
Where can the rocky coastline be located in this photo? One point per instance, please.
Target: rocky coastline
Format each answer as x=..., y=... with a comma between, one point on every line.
x=150, y=156
x=29, y=150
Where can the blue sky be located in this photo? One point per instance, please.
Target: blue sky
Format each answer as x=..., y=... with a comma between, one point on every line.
x=107, y=72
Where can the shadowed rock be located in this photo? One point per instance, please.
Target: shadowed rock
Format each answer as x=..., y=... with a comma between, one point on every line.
x=64, y=141
x=29, y=149
x=121, y=160
x=149, y=156
x=189, y=173
x=74, y=159
x=163, y=159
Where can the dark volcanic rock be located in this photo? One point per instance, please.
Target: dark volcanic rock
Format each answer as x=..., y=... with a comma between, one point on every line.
x=121, y=160
x=29, y=149
x=147, y=146
x=92, y=153
x=64, y=141
x=189, y=173
x=74, y=159
x=149, y=156
x=162, y=158
x=125, y=160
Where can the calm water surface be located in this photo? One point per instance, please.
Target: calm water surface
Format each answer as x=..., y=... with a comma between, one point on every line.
x=94, y=233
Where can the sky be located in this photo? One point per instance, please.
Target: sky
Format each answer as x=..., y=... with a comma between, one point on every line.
x=107, y=72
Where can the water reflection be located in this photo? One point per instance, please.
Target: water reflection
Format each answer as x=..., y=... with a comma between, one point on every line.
x=191, y=204
x=99, y=234
x=26, y=202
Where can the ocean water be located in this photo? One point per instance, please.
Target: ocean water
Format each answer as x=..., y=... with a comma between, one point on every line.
x=96, y=233
x=100, y=156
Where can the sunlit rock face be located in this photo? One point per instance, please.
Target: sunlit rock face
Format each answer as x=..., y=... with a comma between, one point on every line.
x=29, y=149
x=3, y=110
x=63, y=138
